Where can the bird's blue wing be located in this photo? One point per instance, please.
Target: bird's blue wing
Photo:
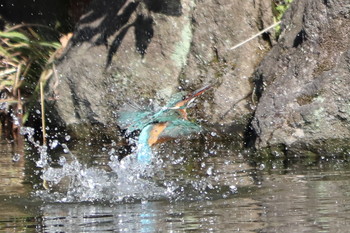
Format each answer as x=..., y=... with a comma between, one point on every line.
x=180, y=128
x=167, y=115
x=139, y=119
x=134, y=120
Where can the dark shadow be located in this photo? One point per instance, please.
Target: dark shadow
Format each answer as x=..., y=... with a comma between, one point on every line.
x=143, y=33
x=112, y=20
x=143, y=36
x=259, y=86
x=107, y=23
x=115, y=45
x=299, y=39
x=250, y=136
x=167, y=7
x=46, y=13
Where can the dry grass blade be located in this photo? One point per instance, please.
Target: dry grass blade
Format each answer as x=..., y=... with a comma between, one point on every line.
x=25, y=66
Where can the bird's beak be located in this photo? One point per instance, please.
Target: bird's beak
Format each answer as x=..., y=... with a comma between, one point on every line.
x=197, y=93
x=188, y=99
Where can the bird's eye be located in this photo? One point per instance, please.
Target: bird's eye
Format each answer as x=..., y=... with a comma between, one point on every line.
x=183, y=97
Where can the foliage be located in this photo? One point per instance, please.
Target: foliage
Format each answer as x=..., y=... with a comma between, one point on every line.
x=279, y=8
x=24, y=57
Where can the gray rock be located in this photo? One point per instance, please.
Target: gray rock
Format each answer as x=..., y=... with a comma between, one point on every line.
x=144, y=51
x=303, y=83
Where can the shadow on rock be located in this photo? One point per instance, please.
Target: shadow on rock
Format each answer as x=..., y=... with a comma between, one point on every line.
x=99, y=25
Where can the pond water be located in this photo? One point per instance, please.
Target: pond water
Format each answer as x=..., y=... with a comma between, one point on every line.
x=210, y=187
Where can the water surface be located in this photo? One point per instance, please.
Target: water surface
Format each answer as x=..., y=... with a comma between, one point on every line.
x=216, y=189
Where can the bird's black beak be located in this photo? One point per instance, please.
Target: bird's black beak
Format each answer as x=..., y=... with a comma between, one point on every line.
x=188, y=99
x=197, y=93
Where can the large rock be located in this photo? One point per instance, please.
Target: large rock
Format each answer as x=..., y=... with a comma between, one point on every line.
x=304, y=81
x=217, y=27
x=144, y=51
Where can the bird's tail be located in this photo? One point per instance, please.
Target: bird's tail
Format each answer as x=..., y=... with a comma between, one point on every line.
x=144, y=152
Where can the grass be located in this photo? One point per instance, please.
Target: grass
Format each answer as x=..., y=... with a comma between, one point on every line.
x=25, y=62
x=279, y=8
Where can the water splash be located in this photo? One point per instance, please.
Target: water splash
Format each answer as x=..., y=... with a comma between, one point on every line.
x=75, y=182
x=165, y=177
x=42, y=149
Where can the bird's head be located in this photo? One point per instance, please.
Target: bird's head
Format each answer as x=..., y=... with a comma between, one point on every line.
x=185, y=101
x=181, y=101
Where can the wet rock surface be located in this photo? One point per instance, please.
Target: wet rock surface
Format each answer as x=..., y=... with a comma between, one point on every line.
x=142, y=52
x=303, y=83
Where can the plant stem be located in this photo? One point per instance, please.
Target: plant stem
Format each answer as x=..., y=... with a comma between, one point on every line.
x=256, y=35
x=43, y=124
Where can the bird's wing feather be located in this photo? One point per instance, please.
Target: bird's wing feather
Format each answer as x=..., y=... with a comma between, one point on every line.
x=139, y=119
x=180, y=128
x=134, y=120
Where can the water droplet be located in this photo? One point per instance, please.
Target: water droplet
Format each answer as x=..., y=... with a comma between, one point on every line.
x=233, y=188
x=65, y=148
x=54, y=144
x=212, y=152
x=210, y=171
x=16, y=157
x=225, y=195
x=262, y=166
x=62, y=160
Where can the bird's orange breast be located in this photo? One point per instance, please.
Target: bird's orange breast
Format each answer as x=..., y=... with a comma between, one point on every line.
x=156, y=130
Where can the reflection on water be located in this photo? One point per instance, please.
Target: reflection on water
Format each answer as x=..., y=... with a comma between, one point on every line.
x=216, y=189
x=312, y=200
x=12, y=169
x=154, y=216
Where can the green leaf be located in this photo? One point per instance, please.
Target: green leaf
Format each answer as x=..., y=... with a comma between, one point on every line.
x=281, y=8
x=6, y=82
x=7, y=72
x=3, y=52
x=17, y=36
x=54, y=45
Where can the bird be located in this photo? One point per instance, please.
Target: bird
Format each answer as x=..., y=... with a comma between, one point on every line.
x=154, y=127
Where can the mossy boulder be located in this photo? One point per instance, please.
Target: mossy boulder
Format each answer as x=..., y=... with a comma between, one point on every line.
x=303, y=83
x=142, y=52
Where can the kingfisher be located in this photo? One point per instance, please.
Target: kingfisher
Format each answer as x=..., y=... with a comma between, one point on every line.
x=154, y=127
